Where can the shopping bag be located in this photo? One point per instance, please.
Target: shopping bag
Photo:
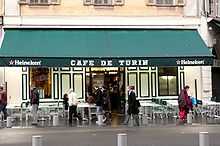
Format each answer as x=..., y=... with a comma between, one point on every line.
x=193, y=99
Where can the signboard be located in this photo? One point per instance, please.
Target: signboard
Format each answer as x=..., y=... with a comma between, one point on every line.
x=105, y=62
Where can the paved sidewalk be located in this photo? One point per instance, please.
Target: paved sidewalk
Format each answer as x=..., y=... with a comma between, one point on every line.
x=152, y=135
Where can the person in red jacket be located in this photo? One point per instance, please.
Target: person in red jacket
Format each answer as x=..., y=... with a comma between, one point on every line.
x=185, y=104
x=3, y=102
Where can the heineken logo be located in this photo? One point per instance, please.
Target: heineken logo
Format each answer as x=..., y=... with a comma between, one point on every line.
x=25, y=62
x=190, y=62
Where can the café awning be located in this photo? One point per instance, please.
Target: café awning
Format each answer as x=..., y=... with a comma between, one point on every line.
x=103, y=47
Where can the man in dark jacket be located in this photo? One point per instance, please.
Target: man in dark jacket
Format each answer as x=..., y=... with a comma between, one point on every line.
x=34, y=97
x=132, y=106
x=3, y=102
x=99, y=100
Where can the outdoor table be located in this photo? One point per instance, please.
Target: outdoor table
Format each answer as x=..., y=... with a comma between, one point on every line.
x=172, y=102
x=86, y=105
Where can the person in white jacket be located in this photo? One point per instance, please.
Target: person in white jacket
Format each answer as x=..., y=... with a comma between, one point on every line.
x=73, y=101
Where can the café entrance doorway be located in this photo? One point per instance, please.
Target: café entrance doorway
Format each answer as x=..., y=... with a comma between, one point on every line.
x=113, y=80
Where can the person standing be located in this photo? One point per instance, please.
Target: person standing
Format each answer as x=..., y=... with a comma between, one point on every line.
x=99, y=100
x=3, y=102
x=65, y=102
x=34, y=100
x=65, y=105
x=72, y=105
x=132, y=106
x=184, y=103
x=106, y=106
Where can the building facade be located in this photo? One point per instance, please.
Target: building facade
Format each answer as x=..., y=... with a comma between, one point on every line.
x=150, y=81
x=213, y=14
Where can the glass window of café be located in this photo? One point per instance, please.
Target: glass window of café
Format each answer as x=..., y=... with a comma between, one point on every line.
x=168, y=81
x=41, y=79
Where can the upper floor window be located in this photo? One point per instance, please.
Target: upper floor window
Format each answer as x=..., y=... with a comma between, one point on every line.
x=165, y=2
x=103, y=2
x=40, y=2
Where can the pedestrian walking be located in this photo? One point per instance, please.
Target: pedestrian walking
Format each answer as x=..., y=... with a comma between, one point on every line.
x=185, y=104
x=133, y=106
x=34, y=100
x=73, y=101
x=3, y=102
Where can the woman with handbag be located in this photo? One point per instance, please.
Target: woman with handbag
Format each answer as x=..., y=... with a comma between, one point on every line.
x=185, y=104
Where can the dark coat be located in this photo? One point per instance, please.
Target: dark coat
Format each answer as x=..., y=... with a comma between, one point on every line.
x=35, y=97
x=3, y=98
x=66, y=103
x=132, y=104
x=99, y=98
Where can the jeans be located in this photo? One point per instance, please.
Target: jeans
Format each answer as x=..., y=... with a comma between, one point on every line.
x=4, y=110
x=99, y=110
x=34, y=112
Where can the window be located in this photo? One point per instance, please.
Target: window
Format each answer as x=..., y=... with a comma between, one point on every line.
x=144, y=84
x=39, y=1
x=132, y=80
x=41, y=79
x=102, y=2
x=167, y=81
x=166, y=2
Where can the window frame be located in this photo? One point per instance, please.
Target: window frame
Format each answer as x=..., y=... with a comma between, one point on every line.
x=148, y=84
x=51, y=78
x=175, y=3
x=167, y=81
x=112, y=3
x=39, y=3
x=103, y=4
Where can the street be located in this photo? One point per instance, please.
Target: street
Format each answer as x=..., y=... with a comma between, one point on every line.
x=154, y=135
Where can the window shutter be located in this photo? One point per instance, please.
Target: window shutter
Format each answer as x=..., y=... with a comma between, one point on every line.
x=23, y=1
x=118, y=2
x=180, y=2
x=107, y=2
x=55, y=2
x=150, y=2
x=34, y=2
x=87, y=2
x=44, y=2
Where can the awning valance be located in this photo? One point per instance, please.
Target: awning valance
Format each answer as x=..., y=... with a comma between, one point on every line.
x=103, y=47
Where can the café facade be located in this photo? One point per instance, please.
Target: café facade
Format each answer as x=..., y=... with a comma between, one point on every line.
x=158, y=62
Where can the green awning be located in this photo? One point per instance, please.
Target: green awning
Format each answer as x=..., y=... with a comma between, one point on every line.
x=67, y=47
